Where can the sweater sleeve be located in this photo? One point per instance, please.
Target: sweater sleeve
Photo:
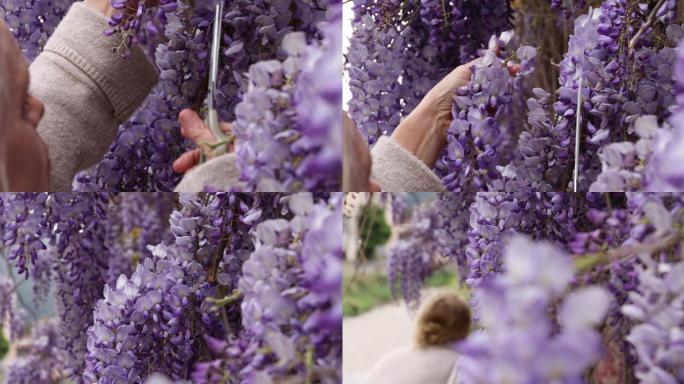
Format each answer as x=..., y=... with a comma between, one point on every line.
x=218, y=174
x=396, y=170
x=88, y=91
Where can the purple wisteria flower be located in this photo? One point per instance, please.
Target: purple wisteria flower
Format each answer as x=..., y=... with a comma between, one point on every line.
x=658, y=333
x=399, y=50
x=33, y=21
x=133, y=320
x=482, y=134
x=518, y=342
x=180, y=294
x=288, y=125
x=39, y=357
x=416, y=255
x=291, y=306
x=617, y=87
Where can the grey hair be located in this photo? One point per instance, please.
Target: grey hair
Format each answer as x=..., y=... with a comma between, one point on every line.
x=4, y=101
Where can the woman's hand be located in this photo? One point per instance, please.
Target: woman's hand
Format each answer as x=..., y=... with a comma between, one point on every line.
x=102, y=6
x=437, y=103
x=105, y=6
x=423, y=132
x=194, y=128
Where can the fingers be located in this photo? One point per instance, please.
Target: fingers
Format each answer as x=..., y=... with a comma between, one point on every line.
x=463, y=72
x=461, y=75
x=226, y=127
x=187, y=161
x=193, y=127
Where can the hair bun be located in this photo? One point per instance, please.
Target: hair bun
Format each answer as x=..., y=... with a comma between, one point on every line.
x=444, y=319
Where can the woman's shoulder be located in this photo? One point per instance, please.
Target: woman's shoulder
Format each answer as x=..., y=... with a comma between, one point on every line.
x=434, y=354
x=414, y=365
x=436, y=351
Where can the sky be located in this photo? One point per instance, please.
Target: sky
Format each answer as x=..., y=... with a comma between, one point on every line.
x=347, y=15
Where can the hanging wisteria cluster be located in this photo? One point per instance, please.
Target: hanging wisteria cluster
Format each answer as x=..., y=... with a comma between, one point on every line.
x=584, y=281
x=513, y=309
x=288, y=125
x=399, y=49
x=176, y=35
x=32, y=22
x=38, y=357
x=416, y=255
x=212, y=288
x=604, y=72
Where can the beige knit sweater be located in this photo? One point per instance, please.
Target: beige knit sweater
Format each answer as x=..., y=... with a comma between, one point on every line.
x=89, y=91
x=218, y=174
x=433, y=365
x=396, y=170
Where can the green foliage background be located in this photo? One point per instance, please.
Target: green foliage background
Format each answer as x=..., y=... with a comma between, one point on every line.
x=4, y=345
x=374, y=230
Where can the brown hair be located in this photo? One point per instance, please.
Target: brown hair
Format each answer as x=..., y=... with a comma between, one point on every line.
x=445, y=318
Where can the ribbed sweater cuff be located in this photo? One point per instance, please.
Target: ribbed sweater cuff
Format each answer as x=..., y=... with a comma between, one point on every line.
x=80, y=39
x=396, y=170
x=218, y=174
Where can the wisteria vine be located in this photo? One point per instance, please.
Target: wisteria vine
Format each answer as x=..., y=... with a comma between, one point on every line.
x=176, y=36
x=212, y=288
x=602, y=80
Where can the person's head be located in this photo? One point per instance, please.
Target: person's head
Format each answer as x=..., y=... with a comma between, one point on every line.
x=357, y=161
x=443, y=319
x=24, y=164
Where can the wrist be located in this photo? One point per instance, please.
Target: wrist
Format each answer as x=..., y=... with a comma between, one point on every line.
x=423, y=133
x=102, y=6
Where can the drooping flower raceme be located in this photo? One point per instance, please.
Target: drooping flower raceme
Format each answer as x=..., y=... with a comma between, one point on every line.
x=399, y=50
x=655, y=307
x=32, y=22
x=288, y=125
x=24, y=225
x=291, y=306
x=518, y=342
x=482, y=134
x=416, y=255
x=143, y=322
x=81, y=258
